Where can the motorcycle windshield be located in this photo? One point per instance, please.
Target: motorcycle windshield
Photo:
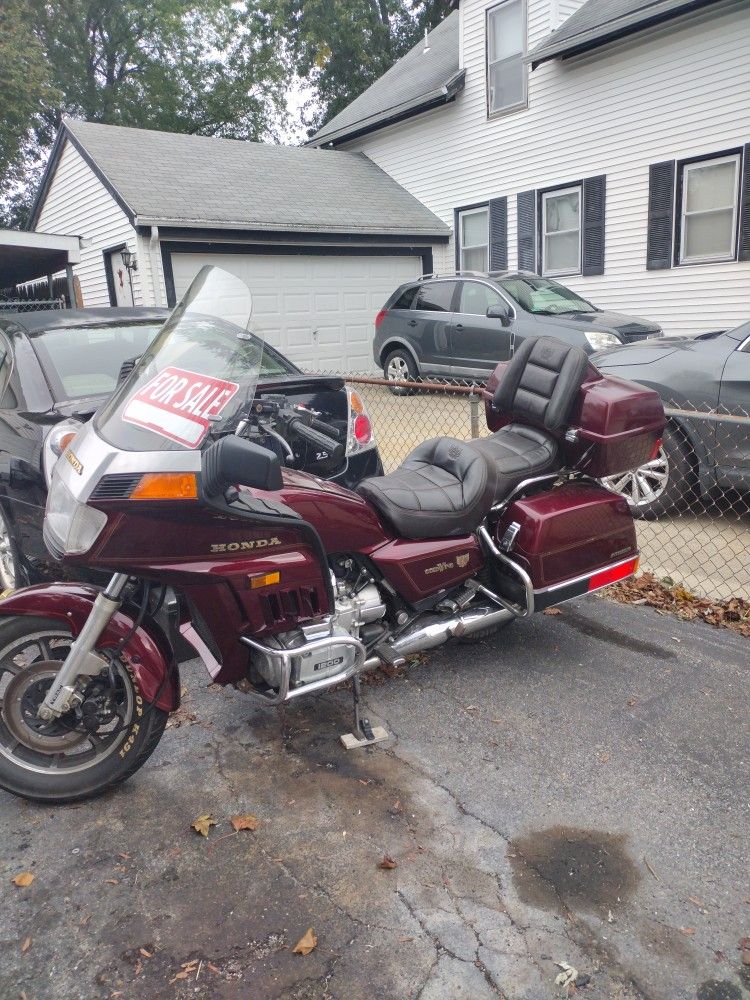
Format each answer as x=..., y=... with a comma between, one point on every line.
x=196, y=375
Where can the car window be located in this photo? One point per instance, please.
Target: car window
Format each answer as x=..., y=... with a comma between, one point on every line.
x=406, y=298
x=545, y=297
x=476, y=298
x=436, y=296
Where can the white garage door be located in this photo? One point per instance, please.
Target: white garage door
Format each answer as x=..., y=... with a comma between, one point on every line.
x=319, y=311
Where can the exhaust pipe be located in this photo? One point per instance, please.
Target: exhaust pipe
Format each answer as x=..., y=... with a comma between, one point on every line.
x=437, y=632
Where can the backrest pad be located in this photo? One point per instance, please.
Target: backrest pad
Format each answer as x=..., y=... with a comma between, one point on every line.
x=541, y=382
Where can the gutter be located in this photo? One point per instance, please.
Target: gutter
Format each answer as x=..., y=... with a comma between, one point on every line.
x=425, y=102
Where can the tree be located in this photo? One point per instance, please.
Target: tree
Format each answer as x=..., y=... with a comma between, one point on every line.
x=340, y=47
x=210, y=67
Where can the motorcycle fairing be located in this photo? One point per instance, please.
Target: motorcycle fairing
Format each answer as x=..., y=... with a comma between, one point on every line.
x=148, y=653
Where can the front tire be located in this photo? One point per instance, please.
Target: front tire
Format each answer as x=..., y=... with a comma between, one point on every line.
x=68, y=760
x=399, y=366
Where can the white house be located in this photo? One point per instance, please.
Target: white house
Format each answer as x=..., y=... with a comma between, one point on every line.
x=607, y=144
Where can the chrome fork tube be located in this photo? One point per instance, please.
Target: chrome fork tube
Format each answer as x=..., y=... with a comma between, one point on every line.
x=81, y=659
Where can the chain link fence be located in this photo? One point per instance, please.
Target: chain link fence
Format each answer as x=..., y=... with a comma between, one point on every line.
x=692, y=501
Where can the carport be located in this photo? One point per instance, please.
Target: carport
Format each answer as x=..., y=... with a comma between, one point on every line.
x=28, y=257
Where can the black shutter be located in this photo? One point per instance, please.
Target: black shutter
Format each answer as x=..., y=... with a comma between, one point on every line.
x=594, y=199
x=660, y=215
x=526, y=212
x=499, y=234
x=743, y=249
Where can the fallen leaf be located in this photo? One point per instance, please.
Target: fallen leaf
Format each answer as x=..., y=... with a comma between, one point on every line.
x=567, y=976
x=472, y=708
x=744, y=944
x=387, y=862
x=23, y=879
x=26, y=944
x=632, y=701
x=552, y=611
x=696, y=902
x=306, y=943
x=145, y=953
x=112, y=881
x=687, y=931
x=745, y=957
x=213, y=968
x=203, y=824
x=405, y=940
x=178, y=975
x=246, y=822
x=190, y=966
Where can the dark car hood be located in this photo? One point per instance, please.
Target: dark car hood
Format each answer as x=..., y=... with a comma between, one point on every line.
x=606, y=322
x=646, y=353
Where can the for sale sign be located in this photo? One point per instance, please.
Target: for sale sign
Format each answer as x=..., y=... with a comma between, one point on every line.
x=179, y=405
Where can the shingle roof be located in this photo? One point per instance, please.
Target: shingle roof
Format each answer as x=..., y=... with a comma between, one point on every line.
x=418, y=80
x=189, y=180
x=601, y=21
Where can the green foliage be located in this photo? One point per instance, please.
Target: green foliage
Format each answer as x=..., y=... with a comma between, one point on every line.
x=340, y=47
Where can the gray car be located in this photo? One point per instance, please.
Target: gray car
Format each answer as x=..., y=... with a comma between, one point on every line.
x=462, y=325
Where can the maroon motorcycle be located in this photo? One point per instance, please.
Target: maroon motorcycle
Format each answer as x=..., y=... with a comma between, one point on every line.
x=283, y=583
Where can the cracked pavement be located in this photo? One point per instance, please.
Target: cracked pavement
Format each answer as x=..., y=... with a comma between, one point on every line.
x=574, y=789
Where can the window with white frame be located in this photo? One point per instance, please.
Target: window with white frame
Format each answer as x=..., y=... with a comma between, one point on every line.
x=561, y=231
x=710, y=195
x=474, y=235
x=506, y=48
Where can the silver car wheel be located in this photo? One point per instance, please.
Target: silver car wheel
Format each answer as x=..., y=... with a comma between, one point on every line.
x=398, y=369
x=642, y=486
x=7, y=559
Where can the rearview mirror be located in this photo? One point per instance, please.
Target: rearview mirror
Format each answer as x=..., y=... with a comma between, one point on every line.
x=500, y=311
x=234, y=461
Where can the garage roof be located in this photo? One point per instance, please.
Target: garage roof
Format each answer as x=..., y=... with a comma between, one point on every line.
x=161, y=178
x=26, y=256
x=600, y=21
x=425, y=77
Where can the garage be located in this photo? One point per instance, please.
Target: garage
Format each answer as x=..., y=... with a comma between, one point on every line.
x=316, y=309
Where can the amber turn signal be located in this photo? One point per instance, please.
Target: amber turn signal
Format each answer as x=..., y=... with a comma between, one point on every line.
x=265, y=580
x=166, y=486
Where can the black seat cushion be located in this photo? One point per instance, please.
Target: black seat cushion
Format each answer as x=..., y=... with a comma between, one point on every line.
x=518, y=452
x=541, y=382
x=442, y=489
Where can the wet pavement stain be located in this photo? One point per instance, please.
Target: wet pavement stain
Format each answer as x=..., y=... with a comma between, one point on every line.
x=585, y=870
x=718, y=989
x=595, y=630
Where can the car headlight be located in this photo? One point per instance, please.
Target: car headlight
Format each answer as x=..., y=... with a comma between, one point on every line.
x=70, y=527
x=57, y=440
x=600, y=340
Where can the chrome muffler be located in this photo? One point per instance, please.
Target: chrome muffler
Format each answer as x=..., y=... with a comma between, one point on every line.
x=439, y=630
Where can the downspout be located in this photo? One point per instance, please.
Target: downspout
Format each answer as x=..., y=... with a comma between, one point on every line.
x=153, y=249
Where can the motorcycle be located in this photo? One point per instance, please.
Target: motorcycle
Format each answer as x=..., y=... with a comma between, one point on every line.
x=282, y=583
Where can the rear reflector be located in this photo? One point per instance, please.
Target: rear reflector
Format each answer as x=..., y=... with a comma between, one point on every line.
x=380, y=317
x=655, y=450
x=613, y=574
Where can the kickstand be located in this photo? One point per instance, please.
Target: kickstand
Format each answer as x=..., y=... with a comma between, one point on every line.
x=364, y=734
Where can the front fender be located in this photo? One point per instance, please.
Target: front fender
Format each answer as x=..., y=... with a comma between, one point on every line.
x=149, y=653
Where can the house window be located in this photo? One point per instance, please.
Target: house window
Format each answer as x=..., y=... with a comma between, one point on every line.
x=474, y=237
x=561, y=231
x=506, y=47
x=710, y=190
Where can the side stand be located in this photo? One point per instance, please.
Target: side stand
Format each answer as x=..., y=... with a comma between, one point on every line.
x=363, y=734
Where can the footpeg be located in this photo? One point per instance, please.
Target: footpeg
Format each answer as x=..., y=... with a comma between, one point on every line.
x=388, y=655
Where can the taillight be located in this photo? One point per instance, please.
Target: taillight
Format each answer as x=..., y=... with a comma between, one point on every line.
x=380, y=317
x=613, y=574
x=360, y=435
x=655, y=450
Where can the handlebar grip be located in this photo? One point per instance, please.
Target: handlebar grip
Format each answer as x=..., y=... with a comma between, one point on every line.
x=334, y=448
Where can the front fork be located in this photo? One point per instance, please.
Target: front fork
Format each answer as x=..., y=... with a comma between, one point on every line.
x=82, y=661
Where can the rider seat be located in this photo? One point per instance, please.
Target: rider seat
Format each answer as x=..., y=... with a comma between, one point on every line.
x=538, y=390
x=442, y=489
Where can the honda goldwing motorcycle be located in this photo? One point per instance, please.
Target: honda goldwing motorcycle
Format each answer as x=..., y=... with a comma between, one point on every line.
x=284, y=583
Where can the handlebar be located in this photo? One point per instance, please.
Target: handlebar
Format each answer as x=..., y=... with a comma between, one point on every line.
x=315, y=437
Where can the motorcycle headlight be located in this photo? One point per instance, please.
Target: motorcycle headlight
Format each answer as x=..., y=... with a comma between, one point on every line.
x=70, y=527
x=600, y=340
x=57, y=440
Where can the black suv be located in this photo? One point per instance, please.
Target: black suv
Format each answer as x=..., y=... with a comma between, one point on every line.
x=464, y=324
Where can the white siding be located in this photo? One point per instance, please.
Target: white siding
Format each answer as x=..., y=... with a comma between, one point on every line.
x=677, y=92
x=78, y=204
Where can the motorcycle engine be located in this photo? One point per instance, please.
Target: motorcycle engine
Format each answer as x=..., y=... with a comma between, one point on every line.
x=353, y=610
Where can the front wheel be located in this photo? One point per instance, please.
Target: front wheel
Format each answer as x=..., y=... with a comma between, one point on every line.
x=399, y=367
x=93, y=747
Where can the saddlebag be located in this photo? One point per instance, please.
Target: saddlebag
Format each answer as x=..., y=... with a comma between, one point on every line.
x=569, y=540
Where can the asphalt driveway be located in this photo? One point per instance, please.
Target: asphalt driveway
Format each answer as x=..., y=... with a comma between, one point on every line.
x=574, y=791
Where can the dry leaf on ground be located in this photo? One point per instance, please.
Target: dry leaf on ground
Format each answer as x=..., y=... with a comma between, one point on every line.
x=387, y=862
x=23, y=879
x=687, y=931
x=246, y=822
x=203, y=824
x=26, y=944
x=306, y=943
x=552, y=611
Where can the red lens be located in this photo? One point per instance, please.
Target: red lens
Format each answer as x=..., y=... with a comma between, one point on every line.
x=362, y=429
x=380, y=317
x=613, y=574
x=655, y=450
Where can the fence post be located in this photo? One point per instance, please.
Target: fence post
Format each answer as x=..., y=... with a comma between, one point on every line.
x=474, y=414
